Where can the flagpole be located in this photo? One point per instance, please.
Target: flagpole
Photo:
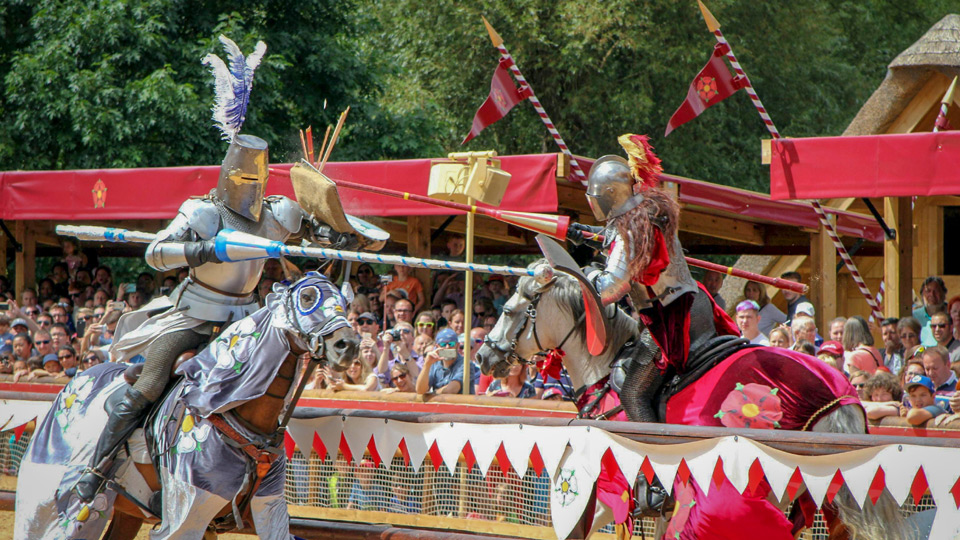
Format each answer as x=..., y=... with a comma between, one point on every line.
x=505, y=54
x=828, y=226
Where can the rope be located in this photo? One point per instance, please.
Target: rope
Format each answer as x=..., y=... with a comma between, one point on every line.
x=821, y=213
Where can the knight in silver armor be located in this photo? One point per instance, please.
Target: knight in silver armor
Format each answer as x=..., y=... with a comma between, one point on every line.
x=214, y=294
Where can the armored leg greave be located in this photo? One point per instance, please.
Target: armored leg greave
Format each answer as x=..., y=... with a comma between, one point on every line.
x=641, y=382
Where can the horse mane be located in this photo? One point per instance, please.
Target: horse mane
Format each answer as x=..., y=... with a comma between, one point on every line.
x=566, y=291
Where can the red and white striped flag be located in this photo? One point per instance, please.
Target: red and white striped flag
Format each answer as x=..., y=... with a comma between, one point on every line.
x=503, y=96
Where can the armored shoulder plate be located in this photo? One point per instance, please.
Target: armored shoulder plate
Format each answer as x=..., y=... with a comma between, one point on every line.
x=287, y=212
x=202, y=217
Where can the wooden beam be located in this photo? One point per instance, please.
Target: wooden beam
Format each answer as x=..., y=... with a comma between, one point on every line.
x=26, y=261
x=898, y=258
x=920, y=106
x=4, y=242
x=823, y=277
x=418, y=245
x=723, y=228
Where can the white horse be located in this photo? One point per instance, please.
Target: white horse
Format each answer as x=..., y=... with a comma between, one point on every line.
x=244, y=382
x=523, y=331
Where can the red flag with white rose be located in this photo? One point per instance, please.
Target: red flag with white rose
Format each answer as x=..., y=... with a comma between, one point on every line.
x=712, y=85
x=503, y=96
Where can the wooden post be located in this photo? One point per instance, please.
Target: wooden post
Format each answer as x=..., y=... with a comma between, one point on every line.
x=4, y=242
x=823, y=278
x=898, y=258
x=26, y=260
x=418, y=245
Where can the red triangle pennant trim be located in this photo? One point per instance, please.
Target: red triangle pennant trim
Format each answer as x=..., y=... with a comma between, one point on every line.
x=536, y=461
x=345, y=449
x=435, y=456
x=503, y=460
x=288, y=445
x=18, y=431
x=403, y=450
x=835, y=486
x=756, y=476
x=374, y=454
x=793, y=486
x=683, y=471
x=319, y=447
x=468, y=457
x=718, y=475
x=647, y=469
x=919, y=486
x=876, y=487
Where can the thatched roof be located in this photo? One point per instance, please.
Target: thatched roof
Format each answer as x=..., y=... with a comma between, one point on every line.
x=937, y=51
x=940, y=46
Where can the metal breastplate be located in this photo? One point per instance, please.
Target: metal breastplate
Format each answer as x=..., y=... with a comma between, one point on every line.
x=214, y=290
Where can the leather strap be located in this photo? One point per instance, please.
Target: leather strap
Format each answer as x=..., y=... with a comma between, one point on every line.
x=209, y=287
x=262, y=459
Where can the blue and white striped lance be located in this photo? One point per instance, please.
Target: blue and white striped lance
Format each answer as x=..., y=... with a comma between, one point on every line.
x=233, y=246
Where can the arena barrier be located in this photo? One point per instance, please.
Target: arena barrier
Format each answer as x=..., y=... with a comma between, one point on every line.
x=496, y=474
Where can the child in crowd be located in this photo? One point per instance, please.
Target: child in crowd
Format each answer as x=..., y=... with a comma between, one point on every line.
x=883, y=396
x=924, y=404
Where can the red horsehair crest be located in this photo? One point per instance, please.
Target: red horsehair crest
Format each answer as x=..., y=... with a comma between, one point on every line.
x=99, y=194
x=707, y=88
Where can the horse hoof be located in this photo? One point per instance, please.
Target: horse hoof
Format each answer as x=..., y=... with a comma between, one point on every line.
x=156, y=503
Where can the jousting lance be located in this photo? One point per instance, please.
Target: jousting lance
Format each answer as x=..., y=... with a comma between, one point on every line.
x=233, y=246
x=554, y=226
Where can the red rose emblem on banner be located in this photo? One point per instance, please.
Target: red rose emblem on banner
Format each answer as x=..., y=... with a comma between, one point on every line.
x=751, y=406
x=681, y=511
x=707, y=88
x=99, y=194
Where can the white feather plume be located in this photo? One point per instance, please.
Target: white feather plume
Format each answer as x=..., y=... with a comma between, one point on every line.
x=232, y=85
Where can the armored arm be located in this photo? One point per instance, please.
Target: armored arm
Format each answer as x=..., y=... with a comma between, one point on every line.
x=295, y=220
x=187, y=240
x=613, y=282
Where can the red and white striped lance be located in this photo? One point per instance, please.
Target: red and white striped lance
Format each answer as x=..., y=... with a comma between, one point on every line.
x=505, y=54
x=828, y=226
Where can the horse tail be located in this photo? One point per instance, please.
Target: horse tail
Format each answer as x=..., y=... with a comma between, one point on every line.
x=881, y=521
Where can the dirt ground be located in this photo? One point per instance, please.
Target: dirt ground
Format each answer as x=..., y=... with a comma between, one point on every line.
x=6, y=530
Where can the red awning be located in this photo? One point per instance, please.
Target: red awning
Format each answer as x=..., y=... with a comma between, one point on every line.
x=920, y=164
x=156, y=193
x=755, y=206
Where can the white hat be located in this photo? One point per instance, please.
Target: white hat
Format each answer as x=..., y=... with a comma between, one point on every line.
x=806, y=308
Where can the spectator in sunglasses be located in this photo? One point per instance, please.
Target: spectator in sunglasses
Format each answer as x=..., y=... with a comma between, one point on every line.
x=44, y=320
x=942, y=328
x=368, y=281
x=68, y=360
x=426, y=325
x=92, y=358
x=401, y=380
x=368, y=324
x=489, y=323
x=442, y=371
x=43, y=343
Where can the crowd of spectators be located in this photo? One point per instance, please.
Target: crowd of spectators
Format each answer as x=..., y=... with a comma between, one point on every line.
x=912, y=373
x=413, y=337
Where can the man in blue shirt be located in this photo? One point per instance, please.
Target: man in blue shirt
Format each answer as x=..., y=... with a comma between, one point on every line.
x=442, y=372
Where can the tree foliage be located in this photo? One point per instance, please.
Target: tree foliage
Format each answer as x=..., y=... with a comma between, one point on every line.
x=118, y=83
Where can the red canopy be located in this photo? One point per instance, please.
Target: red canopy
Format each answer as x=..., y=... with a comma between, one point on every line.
x=156, y=193
x=870, y=166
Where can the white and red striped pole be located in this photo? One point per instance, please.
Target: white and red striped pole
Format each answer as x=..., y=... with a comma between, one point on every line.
x=941, y=122
x=828, y=226
x=505, y=54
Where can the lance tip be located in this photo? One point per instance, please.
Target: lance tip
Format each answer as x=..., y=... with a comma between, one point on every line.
x=494, y=36
x=711, y=21
x=948, y=97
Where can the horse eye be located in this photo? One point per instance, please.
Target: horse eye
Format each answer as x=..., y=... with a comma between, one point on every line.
x=307, y=299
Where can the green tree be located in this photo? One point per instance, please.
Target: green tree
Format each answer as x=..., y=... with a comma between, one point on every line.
x=119, y=83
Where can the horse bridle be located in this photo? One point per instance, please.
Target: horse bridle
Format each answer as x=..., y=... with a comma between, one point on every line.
x=531, y=315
